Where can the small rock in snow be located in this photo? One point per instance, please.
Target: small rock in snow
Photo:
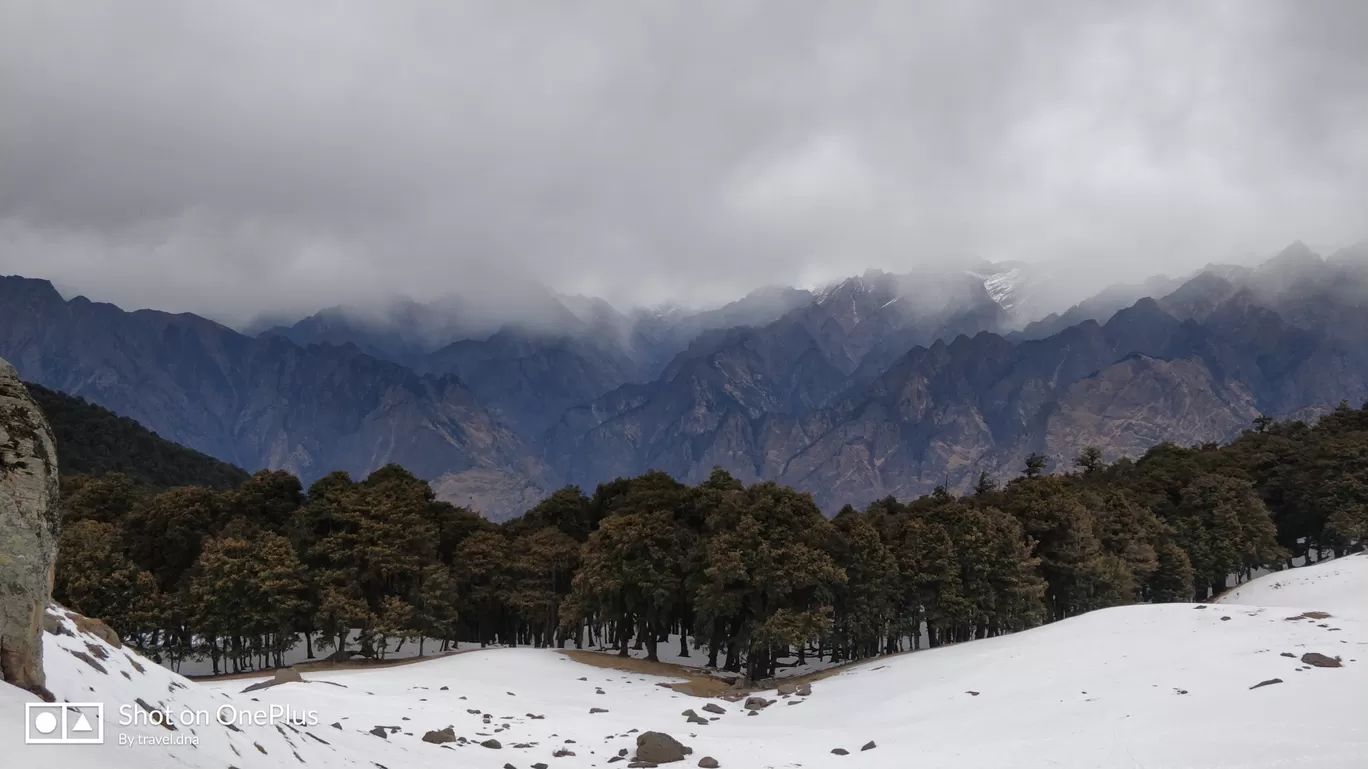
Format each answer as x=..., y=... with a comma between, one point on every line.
x=1320, y=660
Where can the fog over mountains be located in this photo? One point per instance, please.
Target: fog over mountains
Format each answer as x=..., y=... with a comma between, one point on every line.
x=878, y=384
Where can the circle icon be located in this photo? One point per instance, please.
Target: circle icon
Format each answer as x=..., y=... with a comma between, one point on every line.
x=45, y=723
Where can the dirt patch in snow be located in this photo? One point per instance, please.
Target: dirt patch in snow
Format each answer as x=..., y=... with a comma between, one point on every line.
x=695, y=684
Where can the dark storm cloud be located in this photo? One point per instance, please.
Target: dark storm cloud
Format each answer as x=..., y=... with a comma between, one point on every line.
x=233, y=158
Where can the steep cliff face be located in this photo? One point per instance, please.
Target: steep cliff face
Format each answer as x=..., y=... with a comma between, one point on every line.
x=30, y=523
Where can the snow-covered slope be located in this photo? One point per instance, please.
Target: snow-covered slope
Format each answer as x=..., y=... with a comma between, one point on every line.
x=1319, y=586
x=1152, y=685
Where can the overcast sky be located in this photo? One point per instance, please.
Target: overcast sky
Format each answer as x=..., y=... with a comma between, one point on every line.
x=236, y=157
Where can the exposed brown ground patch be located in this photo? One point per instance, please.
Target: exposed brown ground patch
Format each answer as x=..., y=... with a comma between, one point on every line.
x=700, y=684
x=696, y=683
x=1310, y=615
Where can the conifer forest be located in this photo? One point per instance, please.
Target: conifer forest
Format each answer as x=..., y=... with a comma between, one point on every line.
x=743, y=576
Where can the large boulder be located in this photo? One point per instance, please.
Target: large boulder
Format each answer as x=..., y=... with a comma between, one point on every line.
x=30, y=524
x=659, y=748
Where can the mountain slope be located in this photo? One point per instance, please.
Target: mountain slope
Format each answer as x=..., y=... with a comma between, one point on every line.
x=256, y=403
x=92, y=440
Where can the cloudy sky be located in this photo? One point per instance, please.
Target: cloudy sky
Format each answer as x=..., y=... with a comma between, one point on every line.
x=237, y=157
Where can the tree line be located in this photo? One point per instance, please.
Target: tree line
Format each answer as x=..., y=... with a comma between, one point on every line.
x=747, y=577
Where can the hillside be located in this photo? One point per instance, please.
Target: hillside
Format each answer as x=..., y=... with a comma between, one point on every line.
x=92, y=440
x=260, y=403
x=1150, y=685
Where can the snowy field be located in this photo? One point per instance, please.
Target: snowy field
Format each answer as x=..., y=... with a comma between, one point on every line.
x=1139, y=686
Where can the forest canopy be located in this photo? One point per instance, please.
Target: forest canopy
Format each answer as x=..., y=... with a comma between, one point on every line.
x=745, y=576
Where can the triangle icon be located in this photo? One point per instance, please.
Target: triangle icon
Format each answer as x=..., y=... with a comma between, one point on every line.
x=83, y=725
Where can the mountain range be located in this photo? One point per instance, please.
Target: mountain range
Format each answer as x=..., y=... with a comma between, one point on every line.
x=879, y=384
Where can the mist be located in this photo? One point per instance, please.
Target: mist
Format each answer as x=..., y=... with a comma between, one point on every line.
x=257, y=158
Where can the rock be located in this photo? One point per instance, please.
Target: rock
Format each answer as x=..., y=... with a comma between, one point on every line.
x=444, y=689
x=440, y=736
x=592, y=711
x=698, y=720
x=757, y=703
x=689, y=713
x=491, y=744
x=1319, y=660
x=30, y=524
x=509, y=766
x=562, y=753
x=1288, y=654
x=868, y=746
x=1269, y=682
x=659, y=748
x=788, y=687
x=840, y=751
x=539, y=766
x=380, y=732
x=287, y=676
x=708, y=762
x=95, y=627
x=713, y=707
x=336, y=724
x=641, y=765
x=804, y=690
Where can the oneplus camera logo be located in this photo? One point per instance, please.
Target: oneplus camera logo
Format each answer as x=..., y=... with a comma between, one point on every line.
x=64, y=723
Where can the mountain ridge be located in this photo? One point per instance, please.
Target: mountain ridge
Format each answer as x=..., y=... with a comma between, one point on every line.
x=877, y=384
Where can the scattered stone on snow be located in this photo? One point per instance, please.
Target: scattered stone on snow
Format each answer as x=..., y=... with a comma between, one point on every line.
x=1269, y=682
x=868, y=746
x=440, y=736
x=840, y=751
x=713, y=707
x=492, y=744
x=1320, y=660
x=708, y=762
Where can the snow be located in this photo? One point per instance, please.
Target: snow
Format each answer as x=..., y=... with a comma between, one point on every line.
x=1002, y=286
x=1137, y=686
x=1317, y=587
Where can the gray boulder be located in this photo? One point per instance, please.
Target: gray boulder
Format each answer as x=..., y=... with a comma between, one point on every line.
x=30, y=524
